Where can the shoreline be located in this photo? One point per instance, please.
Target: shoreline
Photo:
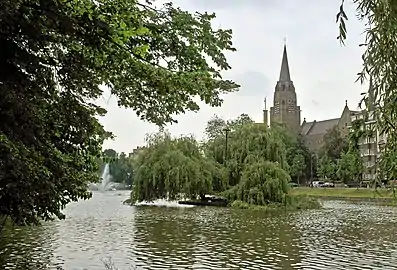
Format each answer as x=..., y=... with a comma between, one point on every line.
x=349, y=194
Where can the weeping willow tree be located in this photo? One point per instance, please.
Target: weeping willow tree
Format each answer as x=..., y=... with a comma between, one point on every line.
x=262, y=182
x=171, y=168
x=255, y=158
x=246, y=142
x=257, y=164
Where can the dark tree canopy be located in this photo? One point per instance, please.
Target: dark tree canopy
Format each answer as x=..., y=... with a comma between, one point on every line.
x=56, y=57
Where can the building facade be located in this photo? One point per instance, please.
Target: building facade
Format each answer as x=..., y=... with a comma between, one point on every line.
x=314, y=132
x=371, y=144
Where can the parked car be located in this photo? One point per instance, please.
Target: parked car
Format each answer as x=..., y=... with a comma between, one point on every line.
x=317, y=184
x=328, y=184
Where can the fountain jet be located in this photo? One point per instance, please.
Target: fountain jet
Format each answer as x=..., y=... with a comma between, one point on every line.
x=106, y=183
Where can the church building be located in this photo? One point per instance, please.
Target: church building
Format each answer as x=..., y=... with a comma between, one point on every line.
x=285, y=110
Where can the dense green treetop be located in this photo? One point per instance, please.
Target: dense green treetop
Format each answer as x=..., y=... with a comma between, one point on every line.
x=153, y=60
x=334, y=144
x=110, y=153
x=327, y=167
x=350, y=167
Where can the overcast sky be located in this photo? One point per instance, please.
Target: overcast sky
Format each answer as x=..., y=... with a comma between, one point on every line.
x=323, y=72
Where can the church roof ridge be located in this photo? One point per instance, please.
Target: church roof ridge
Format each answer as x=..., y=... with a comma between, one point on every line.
x=321, y=121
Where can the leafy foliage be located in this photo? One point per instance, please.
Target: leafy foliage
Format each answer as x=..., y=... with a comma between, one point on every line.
x=247, y=141
x=298, y=166
x=299, y=158
x=341, y=158
x=169, y=167
x=215, y=127
x=56, y=55
x=380, y=68
x=262, y=182
x=326, y=167
x=334, y=144
x=350, y=167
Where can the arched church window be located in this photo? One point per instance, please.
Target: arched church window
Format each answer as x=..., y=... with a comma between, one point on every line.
x=283, y=87
x=283, y=102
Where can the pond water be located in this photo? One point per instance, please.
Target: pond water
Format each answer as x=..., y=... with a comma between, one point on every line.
x=339, y=236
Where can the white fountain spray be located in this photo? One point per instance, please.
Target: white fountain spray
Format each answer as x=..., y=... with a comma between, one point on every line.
x=105, y=178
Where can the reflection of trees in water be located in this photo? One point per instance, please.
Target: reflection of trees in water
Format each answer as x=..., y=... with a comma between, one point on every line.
x=216, y=237
x=163, y=235
x=255, y=239
x=27, y=248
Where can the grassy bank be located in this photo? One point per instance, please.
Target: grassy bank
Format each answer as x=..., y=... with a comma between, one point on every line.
x=296, y=202
x=348, y=193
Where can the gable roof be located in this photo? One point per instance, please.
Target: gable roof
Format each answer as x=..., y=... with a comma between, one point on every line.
x=320, y=127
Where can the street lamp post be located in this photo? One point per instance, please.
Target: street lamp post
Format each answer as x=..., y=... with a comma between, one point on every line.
x=227, y=130
x=311, y=169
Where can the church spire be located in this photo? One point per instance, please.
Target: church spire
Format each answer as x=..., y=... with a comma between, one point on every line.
x=284, y=72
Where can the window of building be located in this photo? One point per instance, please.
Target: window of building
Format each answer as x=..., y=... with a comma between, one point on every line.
x=291, y=106
x=276, y=107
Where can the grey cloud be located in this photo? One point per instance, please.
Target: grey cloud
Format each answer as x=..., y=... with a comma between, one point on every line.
x=253, y=83
x=315, y=103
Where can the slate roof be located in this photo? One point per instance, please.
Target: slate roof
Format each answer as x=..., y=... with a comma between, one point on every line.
x=319, y=127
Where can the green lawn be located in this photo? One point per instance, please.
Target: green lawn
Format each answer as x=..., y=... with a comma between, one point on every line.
x=342, y=192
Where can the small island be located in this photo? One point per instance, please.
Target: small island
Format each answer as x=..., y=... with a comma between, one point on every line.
x=241, y=164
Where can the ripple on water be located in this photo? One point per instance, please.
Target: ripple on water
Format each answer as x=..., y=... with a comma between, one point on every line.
x=340, y=236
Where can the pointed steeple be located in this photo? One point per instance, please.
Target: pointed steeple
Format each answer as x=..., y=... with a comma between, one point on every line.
x=284, y=72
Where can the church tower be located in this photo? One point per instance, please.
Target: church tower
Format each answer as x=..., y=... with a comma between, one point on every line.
x=285, y=109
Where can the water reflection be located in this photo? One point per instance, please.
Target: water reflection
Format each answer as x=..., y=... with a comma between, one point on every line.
x=348, y=236
x=213, y=238
x=341, y=236
x=28, y=248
